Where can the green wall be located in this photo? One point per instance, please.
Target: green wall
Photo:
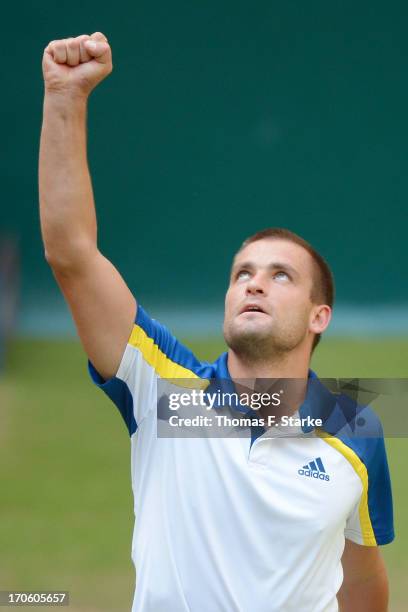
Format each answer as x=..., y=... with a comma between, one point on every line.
x=221, y=118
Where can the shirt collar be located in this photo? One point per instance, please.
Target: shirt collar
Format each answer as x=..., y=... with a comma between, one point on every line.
x=320, y=402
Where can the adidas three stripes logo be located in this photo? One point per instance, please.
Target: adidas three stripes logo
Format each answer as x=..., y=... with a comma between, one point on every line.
x=314, y=469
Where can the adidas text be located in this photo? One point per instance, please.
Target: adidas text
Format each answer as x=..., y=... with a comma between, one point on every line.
x=313, y=474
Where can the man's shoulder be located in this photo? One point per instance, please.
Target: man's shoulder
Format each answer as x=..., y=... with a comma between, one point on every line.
x=169, y=356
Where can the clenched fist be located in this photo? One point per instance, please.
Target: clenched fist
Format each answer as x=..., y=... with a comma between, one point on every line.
x=76, y=65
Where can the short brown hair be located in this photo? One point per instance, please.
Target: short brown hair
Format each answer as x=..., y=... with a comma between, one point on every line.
x=323, y=282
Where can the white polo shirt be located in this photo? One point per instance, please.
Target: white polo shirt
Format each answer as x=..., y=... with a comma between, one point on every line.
x=243, y=524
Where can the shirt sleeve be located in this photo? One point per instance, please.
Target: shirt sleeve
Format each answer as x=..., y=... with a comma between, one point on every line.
x=151, y=352
x=371, y=520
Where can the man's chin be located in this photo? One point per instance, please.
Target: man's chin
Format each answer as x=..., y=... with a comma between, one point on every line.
x=253, y=325
x=240, y=336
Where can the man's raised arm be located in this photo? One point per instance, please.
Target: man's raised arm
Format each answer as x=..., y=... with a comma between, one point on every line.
x=102, y=306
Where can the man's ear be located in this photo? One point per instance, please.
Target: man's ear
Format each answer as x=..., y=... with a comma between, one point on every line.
x=320, y=318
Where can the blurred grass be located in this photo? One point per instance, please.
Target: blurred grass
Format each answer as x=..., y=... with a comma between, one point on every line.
x=66, y=513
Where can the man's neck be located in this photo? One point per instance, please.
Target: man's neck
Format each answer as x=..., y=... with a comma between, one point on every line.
x=293, y=365
x=258, y=376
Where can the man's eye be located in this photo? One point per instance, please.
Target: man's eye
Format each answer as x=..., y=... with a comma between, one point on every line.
x=281, y=275
x=243, y=275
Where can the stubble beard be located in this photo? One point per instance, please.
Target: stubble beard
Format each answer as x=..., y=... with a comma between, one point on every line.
x=260, y=346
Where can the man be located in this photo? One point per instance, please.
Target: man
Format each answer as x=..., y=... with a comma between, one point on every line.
x=260, y=524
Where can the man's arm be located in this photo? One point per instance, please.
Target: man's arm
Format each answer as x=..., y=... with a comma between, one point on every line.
x=365, y=584
x=102, y=306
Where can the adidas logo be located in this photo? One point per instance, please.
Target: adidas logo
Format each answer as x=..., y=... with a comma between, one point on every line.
x=314, y=469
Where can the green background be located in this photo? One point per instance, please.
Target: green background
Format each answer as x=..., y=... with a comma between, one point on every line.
x=221, y=118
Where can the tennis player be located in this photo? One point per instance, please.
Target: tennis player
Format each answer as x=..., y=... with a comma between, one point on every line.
x=260, y=523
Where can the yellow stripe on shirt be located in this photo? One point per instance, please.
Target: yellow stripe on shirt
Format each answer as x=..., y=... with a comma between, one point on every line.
x=361, y=470
x=163, y=365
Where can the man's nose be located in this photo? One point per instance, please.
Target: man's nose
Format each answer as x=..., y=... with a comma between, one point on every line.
x=256, y=285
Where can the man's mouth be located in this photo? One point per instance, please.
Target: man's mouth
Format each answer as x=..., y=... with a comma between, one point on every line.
x=252, y=308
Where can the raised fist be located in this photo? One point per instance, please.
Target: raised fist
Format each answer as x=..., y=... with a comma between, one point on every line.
x=76, y=65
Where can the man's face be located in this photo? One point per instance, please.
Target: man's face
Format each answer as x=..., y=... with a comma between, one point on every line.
x=268, y=307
